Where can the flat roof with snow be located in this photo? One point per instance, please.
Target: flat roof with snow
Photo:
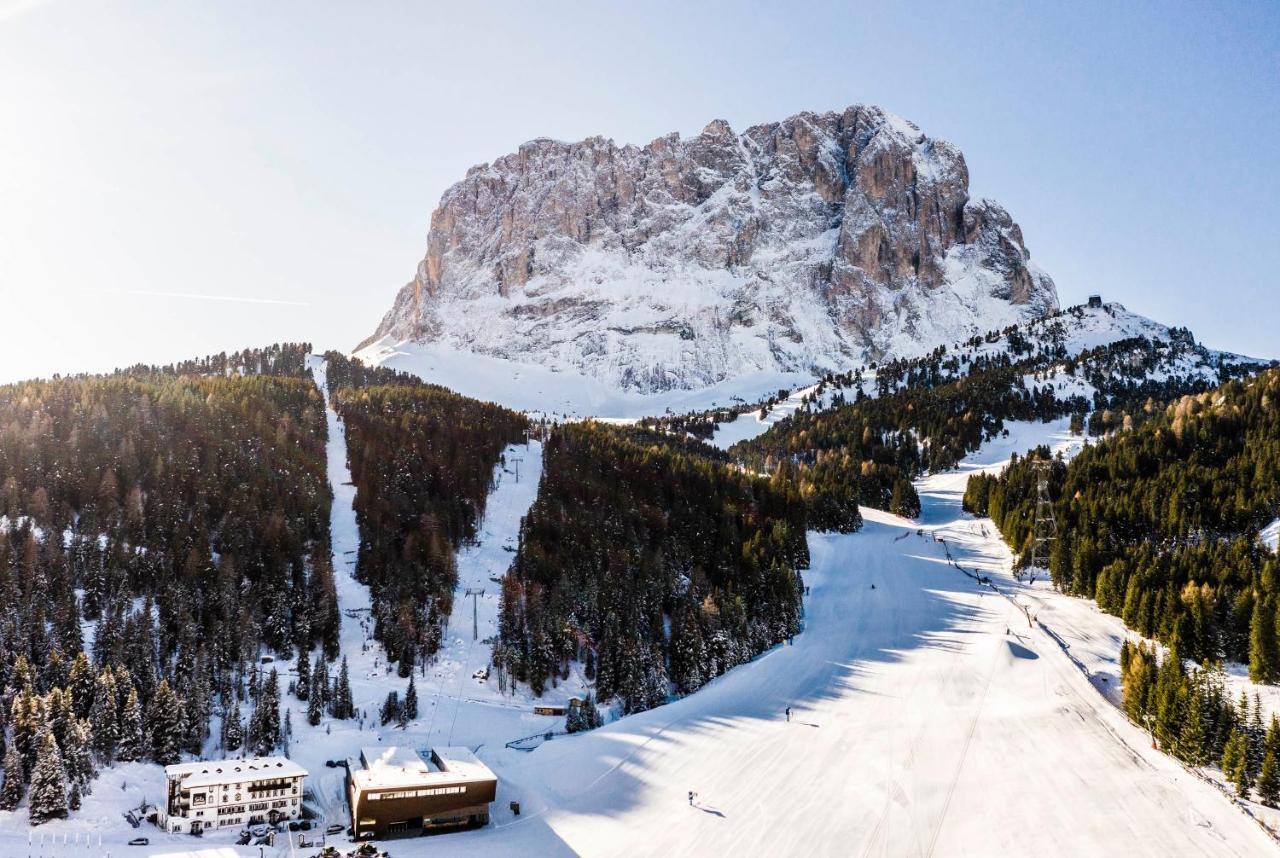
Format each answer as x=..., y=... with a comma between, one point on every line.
x=397, y=766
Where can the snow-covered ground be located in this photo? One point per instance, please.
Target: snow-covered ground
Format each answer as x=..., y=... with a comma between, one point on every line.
x=563, y=393
x=750, y=425
x=927, y=718
x=918, y=727
x=1271, y=535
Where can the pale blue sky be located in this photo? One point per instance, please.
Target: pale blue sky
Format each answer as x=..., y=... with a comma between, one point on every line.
x=293, y=152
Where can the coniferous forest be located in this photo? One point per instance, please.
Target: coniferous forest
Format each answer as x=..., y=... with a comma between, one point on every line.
x=635, y=533
x=1160, y=524
x=181, y=515
x=930, y=412
x=422, y=459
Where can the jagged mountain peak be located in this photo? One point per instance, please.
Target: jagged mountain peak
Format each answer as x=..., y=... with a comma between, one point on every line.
x=805, y=245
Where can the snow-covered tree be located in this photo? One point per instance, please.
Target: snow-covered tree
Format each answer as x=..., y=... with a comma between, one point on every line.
x=320, y=681
x=315, y=704
x=411, y=701
x=104, y=716
x=83, y=684
x=302, y=686
x=341, y=705
x=232, y=727
x=48, y=796
x=77, y=758
x=24, y=721
x=14, y=779
x=390, y=710
x=132, y=743
x=164, y=724
x=264, y=724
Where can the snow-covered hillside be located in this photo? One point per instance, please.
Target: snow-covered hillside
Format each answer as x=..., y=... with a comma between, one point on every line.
x=926, y=719
x=572, y=394
x=801, y=246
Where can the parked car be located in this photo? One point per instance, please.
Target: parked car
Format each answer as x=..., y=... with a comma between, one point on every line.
x=139, y=841
x=334, y=829
x=305, y=825
x=293, y=826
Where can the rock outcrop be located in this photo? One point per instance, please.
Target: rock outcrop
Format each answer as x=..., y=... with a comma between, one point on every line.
x=814, y=243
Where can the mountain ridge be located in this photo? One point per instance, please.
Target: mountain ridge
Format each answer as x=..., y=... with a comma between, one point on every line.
x=806, y=245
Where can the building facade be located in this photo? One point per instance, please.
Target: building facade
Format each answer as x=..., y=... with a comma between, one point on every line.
x=393, y=791
x=231, y=793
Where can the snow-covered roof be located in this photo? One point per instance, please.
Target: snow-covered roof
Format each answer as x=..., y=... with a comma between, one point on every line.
x=398, y=766
x=462, y=762
x=231, y=771
x=393, y=764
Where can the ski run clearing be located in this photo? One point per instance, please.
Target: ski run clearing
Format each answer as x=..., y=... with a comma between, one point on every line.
x=928, y=717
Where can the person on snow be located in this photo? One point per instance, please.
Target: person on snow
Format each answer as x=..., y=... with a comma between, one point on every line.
x=788, y=713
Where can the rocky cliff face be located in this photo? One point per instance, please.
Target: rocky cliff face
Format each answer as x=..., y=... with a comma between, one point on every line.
x=809, y=244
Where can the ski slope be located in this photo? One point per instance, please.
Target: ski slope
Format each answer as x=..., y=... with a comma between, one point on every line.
x=751, y=425
x=927, y=719
x=562, y=392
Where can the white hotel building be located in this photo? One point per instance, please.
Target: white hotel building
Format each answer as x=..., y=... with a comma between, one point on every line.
x=226, y=793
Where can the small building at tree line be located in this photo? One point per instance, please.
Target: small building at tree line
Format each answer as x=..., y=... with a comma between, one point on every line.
x=392, y=791
x=226, y=793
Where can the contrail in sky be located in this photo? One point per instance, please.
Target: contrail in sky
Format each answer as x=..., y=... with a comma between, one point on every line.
x=232, y=298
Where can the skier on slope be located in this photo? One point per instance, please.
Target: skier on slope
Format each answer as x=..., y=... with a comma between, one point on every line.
x=788, y=713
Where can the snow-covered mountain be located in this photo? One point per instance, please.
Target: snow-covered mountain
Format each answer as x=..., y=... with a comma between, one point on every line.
x=811, y=244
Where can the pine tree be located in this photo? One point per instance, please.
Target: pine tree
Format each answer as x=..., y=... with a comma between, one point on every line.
x=411, y=701
x=132, y=743
x=1264, y=655
x=302, y=686
x=73, y=800
x=232, y=728
x=24, y=721
x=77, y=758
x=1235, y=763
x=48, y=797
x=14, y=783
x=390, y=710
x=164, y=724
x=104, y=716
x=1194, y=739
x=265, y=721
x=1269, y=775
x=341, y=706
x=315, y=710
x=320, y=680
x=82, y=684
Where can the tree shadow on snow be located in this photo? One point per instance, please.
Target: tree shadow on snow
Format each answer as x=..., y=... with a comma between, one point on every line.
x=853, y=636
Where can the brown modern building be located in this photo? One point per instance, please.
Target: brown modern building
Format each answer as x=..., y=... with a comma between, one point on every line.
x=394, y=792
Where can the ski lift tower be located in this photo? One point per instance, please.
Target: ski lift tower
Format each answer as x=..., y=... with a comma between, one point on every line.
x=1046, y=526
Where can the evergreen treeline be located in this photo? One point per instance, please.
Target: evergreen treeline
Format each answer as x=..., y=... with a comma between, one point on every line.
x=1190, y=715
x=422, y=460
x=1160, y=524
x=181, y=511
x=931, y=412
x=652, y=563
